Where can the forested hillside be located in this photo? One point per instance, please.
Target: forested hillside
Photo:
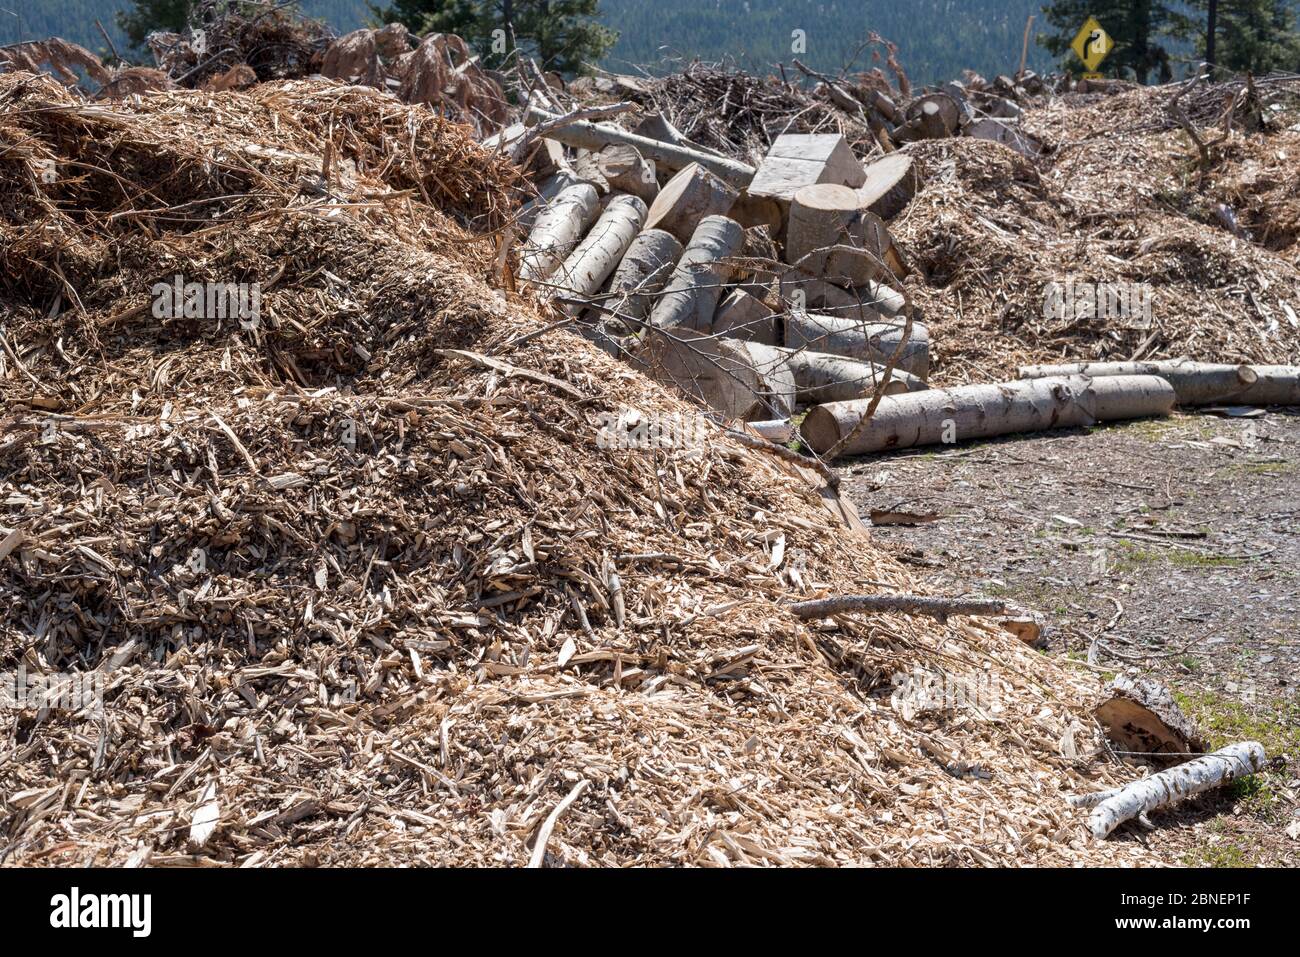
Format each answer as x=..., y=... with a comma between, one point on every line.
x=75, y=19
x=936, y=38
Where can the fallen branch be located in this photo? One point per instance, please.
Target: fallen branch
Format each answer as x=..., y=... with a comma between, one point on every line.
x=1138, y=799
x=519, y=148
x=593, y=136
x=939, y=608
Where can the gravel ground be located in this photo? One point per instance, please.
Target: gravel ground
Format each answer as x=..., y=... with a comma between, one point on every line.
x=1168, y=547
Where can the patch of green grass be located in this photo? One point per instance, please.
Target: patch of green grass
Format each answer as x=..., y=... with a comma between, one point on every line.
x=1222, y=854
x=1133, y=557
x=1186, y=559
x=1225, y=720
x=1152, y=430
x=1253, y=468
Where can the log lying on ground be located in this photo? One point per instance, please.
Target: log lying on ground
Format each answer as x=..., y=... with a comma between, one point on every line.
x=1136, y=800
x=1142, y=718
x=596, y=257
x=742, y=315
x=931, y=117
x=546, y=193
x=557, y=231
x=891, y=183
x=858, y=339
x=742, y=380
x=690, y=196
x=642, y=273
x=820, y=377
x=983, y=411
x=1196, y=383
x=939, y=608
x=596, y=136
x=692, y=292
x=619, y=168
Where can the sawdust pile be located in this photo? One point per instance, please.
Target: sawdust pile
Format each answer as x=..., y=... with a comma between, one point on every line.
x=364, y=584
x=1116, y=198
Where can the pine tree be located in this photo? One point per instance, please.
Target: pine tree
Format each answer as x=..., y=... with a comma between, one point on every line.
x=1134, y=25
x=146, y=16
x=1249, y=35
x=563, y=35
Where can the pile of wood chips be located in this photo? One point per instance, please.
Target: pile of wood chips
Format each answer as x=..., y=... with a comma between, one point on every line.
x=1115, y=203
x=366, y=586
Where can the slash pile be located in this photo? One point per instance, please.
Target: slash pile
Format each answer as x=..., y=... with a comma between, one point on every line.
x=366, y=582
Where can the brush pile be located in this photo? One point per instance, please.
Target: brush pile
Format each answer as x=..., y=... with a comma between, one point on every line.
x=375, y=578
x=860, y=240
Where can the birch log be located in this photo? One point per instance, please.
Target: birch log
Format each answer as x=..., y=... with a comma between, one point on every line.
x=891, y=183
x=982, y=411
x=641, y=274
x=546, y=193
x=596, y=136
x=1112, y=808
x=742, y=380
x=858, y=339
x=557, y=231
x=687, y=198
x=820, y=217
x=1196, y=383
x=619, y=168
x=819, y=377
x=691, y=295
x=742, y=315
x=869, y=301
x=589, y=265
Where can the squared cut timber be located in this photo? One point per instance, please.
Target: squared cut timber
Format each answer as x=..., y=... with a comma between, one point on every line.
x=797, y=160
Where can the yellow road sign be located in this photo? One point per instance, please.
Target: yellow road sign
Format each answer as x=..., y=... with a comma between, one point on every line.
x=1092, y=44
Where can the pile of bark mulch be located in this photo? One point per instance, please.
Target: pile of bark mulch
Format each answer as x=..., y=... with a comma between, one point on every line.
x=366, y=586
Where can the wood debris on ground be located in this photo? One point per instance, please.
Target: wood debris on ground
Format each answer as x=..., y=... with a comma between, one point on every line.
x=380, y=574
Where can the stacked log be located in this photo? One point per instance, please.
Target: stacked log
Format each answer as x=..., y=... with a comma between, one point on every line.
x=692, y=292
x=858, y=339
x=890, y=184
x=595, y=258
x=820, y=377
x=642, y=273
x=686, y=199
x=619, y=168
x=558, y=229
x=742, y=315
x=742, y=380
